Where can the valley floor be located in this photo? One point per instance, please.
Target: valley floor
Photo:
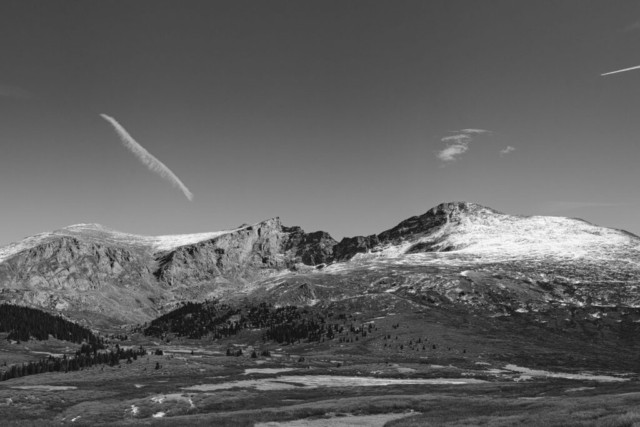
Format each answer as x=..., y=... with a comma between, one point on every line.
x=206, y=389
x=447, y=380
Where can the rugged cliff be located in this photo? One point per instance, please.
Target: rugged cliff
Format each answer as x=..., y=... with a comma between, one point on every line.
x=413, y=229
x=90, y=268
x=231, y=262
x=454, y=253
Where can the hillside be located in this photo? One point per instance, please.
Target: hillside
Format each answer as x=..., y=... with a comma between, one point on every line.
x=462, y=301
x=468, y=228
x=90, y=269
x=456, y=252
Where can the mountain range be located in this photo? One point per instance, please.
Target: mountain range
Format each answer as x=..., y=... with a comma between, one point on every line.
x=456, y=253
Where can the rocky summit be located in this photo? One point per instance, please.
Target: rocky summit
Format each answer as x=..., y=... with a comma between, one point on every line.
x=455, y=253
x=455, y=314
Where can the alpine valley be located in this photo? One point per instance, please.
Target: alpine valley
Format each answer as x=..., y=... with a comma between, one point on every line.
x=460, y=316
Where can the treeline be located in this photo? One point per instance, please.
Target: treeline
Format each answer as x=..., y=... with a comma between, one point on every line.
x=214, y=320
x=317, y=330
x=288, y=324
x=82, y=360
x=24, y=323
x=195, y=320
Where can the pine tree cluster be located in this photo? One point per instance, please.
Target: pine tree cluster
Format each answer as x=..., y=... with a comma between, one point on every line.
x=214, y=320
x=23, y=323
x=288, y=324
x=85, y=358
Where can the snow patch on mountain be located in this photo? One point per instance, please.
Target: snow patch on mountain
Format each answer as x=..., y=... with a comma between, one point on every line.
x=103, y=235
x=159, y=243
x=472, y=234
x=529, y=236
x=25, y=244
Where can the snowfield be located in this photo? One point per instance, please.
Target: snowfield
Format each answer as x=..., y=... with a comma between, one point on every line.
x=494, y=233
x=490, y=236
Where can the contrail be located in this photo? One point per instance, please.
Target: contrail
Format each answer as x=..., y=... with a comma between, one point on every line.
x=145, y=157
x=621, y=71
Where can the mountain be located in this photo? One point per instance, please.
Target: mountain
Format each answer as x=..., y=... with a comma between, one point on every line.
x=455, y=253
x=468, y=228
x=125, y=277
x=464, y=253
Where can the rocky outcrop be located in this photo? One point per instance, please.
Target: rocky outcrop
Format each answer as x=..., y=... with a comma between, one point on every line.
x=468, y=227
x=350, y=246
x=310, y=249
x=91, y=268
x=430, y=221
x=69, y=273
x=243, y=255
x=412, y=228
x=70, y=263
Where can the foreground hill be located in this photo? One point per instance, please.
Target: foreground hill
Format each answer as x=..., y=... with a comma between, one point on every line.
x=458, y=252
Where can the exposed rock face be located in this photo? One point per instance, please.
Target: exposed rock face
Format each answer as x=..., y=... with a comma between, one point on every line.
x=68, y=262
x=471, y=228
x=349, y=246
x=413, y=228
x=456, y=252
x=91, y=268
x=445, y=213
x=71, y=273
x=245, y=255
x=242, y=255
x=311, y=249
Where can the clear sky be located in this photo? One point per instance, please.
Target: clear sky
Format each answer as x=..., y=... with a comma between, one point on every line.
x=329, y=114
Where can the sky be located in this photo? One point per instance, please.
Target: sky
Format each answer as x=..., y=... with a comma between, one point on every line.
x=342, y=116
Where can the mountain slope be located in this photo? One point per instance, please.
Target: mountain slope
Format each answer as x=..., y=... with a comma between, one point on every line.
x=463, y=253
x=88, y=267
x=468, y=228
x=454, y=253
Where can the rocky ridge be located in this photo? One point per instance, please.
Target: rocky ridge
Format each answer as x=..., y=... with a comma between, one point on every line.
x=457, y=252
x=88, y=267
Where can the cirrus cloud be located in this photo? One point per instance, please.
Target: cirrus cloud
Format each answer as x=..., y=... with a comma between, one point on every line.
x=468, y=131
x=449, y=154
x=458, y=144
x=506, y=150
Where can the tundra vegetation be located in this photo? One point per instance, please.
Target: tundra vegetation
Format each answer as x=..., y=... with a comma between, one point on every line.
x=214, y=363
x=461, y=316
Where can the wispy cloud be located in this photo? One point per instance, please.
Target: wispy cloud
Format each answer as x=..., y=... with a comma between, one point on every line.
x=449, y=154
x=621, y=71
x=146, y=158
x=506, y=150
x=468, y=131
x=458, y=144
x=9, y=91
x=456, y=138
